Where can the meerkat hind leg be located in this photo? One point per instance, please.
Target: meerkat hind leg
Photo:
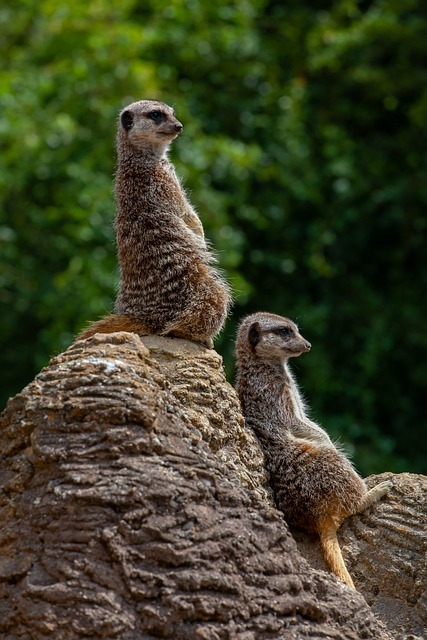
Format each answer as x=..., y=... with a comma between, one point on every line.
x=327, y=530
x=374, y=495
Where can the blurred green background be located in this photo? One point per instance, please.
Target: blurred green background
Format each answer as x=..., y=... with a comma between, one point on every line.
x=304, y=150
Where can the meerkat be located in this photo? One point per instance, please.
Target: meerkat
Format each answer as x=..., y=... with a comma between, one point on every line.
x=168, y=284
x=313, y=482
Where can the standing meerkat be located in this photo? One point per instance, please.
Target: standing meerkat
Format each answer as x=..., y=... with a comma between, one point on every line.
x=314, y=484
x=168, y=285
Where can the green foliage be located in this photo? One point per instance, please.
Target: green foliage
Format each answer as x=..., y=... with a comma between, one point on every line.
x=304, y=151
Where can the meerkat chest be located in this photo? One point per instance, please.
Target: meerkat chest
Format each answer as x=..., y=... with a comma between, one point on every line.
x=292, y=398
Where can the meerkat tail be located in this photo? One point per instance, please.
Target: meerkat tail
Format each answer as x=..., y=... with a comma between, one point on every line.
x=332, y=551
x=113, y=323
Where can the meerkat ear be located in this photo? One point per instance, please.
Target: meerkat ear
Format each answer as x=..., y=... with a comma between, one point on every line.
x=126, y=119
x=253, y=334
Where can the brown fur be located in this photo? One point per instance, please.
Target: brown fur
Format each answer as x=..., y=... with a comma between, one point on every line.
x=113, y=323
x=314, y=484
x=167, y=285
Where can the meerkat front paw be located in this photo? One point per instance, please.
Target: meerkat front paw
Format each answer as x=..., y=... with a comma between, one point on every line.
x=377, y=492
x=374, y=495
x=382, y=488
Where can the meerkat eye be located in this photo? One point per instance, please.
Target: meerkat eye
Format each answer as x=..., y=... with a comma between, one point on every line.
x=285, y=332
x=127, y=120
x=157, y=116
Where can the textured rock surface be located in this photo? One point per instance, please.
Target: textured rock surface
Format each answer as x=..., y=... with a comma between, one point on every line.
x=118, y=521
x=195, y=376
x=385, y=550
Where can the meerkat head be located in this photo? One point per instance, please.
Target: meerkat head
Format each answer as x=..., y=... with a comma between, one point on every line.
x=271, y=338
x=149, y=124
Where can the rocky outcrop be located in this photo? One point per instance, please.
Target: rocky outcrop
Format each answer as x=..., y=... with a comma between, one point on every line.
x=195, y=377
x=134, y=505
x=385, y=550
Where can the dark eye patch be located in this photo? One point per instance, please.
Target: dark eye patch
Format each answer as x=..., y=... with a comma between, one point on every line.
x=284, y=332
x=157, y=116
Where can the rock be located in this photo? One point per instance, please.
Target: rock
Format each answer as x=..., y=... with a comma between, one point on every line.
x=126, y=515
x=385, y=550
x=195, y=377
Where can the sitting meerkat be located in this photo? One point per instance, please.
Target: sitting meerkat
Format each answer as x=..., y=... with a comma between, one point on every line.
x=168, y=284
x=314, y=484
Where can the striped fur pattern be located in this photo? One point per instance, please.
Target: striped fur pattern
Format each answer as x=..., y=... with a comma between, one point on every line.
x=314, y=484
x=168, y=282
